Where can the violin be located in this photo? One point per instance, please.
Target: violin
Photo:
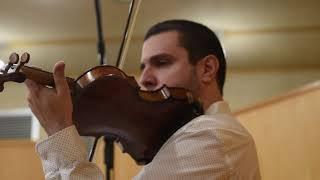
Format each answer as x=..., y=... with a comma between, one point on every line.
x=107, y=102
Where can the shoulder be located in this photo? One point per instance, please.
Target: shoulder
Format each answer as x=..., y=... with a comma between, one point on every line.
x=209, y=146
x=210, y=141
x=219, y=128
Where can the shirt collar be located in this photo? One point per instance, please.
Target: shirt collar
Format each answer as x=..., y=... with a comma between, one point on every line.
x=218, y=107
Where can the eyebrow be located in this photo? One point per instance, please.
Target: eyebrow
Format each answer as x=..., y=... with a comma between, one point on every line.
x=157, y=57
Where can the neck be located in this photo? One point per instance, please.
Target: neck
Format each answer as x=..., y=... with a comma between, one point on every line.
x=210, y=95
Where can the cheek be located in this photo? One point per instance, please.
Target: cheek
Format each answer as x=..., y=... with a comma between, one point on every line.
x=176, y=77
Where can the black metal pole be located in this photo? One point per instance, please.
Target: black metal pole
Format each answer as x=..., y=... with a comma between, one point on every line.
x=109, y=147
x=108, y=156
x=100, y=45
x=108, y=150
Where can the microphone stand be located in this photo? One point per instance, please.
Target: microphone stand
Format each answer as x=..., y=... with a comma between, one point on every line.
x=109, y=146
x=108, y=150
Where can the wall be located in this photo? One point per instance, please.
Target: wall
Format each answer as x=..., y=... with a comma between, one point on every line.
x=286, y=132
x=19, y=160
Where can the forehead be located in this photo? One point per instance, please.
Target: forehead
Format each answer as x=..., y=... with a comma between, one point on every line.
x=163, y=43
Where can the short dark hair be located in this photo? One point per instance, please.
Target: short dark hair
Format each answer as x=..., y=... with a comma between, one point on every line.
x=198, y=40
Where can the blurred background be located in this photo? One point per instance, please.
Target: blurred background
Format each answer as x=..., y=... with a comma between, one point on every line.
x=272, y=47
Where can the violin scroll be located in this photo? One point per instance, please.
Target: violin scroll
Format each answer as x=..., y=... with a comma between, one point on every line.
x=13, y=59
x=17, y=71
x=7, y=75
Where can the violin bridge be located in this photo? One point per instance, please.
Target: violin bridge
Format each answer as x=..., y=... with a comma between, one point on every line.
x=165, y=92
x=190, y=97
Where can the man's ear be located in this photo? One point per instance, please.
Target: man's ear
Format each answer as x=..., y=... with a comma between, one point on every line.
x=208, y=68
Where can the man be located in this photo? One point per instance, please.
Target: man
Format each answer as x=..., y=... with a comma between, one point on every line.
x=176, y=53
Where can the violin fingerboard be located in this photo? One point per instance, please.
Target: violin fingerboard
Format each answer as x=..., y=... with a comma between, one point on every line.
x=43, y=77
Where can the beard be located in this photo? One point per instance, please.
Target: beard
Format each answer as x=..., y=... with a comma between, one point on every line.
x=193, y=83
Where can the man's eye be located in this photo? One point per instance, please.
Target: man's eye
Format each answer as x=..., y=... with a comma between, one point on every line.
x=162, y=62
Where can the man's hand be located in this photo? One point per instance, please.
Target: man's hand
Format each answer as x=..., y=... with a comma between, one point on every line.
x=52, y=106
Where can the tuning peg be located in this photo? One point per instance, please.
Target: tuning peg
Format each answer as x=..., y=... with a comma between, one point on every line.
x=24, y=59
x=13, y=59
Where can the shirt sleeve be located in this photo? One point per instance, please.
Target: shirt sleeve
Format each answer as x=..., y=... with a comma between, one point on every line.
x=64, y=156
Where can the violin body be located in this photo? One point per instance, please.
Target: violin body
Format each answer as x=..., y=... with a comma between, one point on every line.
x=107, y=102
x=112, y=106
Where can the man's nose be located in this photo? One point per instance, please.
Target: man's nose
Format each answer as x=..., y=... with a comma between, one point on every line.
x=148, y=80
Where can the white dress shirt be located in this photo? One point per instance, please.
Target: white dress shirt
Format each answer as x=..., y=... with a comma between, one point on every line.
x=212, y=146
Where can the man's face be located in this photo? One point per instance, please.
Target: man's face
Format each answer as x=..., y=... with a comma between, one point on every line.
x=165, y=62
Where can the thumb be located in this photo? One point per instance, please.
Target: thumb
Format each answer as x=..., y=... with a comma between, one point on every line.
x=59, y=78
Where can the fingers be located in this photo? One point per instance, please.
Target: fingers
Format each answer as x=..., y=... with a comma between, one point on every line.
x=34, y=110
x=33, y=87
x=33, y=93
x=30, y=84
x=60, y=79
x=33, y=96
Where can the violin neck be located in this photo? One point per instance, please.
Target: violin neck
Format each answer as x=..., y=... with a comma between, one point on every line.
x=43, y=77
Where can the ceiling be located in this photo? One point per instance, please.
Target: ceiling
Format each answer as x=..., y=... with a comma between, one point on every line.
x=256, y=34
